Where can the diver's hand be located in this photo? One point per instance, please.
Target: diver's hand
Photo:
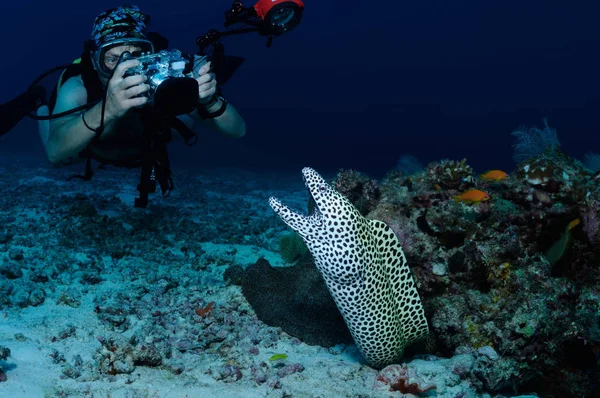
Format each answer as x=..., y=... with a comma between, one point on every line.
x=121, y=92
x=207, y=84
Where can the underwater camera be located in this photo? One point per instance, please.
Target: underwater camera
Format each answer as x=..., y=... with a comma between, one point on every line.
x=171, y=91
x=156, y=67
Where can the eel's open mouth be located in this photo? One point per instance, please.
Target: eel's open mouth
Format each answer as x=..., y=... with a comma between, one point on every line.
x=294, y=217
x=312, y=208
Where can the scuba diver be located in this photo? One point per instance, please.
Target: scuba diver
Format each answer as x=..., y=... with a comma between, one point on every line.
x=121, y=101
x=114, y=32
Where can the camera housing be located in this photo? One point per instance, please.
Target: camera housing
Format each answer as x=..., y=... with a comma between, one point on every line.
x=172, y=89
x=158, y=68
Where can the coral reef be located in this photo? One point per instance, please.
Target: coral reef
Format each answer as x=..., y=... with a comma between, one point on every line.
x=292, y=247
x=398, y=378
x=489, y=278
x=533, y=141
x=360, y=189
x=450, y=174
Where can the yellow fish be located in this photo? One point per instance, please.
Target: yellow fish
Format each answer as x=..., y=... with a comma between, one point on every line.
x=573, y=224
x=278, y=357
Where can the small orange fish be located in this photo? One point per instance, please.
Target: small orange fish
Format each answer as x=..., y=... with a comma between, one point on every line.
x=494, y=175
x=573, y=224
x=472, y=196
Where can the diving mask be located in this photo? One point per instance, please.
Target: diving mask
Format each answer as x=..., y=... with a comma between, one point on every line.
x=106, y=57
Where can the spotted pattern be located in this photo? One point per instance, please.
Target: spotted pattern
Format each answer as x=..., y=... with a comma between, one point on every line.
x=364, y=269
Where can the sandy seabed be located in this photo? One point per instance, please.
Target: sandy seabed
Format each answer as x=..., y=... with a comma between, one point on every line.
x=101, y=299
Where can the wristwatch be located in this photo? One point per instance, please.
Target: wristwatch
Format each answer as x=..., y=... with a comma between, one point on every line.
x=203, y=108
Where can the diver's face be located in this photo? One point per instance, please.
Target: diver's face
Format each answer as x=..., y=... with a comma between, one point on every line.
x=112, y=56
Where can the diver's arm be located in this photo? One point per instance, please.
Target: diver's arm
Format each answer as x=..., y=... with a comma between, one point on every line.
x=230, y=123
x=68, y=134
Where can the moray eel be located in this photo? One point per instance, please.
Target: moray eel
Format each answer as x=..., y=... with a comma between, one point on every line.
x=364, y=269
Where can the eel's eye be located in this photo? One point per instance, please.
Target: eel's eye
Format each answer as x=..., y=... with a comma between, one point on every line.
x=322, y=188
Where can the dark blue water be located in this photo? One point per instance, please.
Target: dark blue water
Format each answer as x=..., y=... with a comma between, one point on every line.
x=358, y=84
